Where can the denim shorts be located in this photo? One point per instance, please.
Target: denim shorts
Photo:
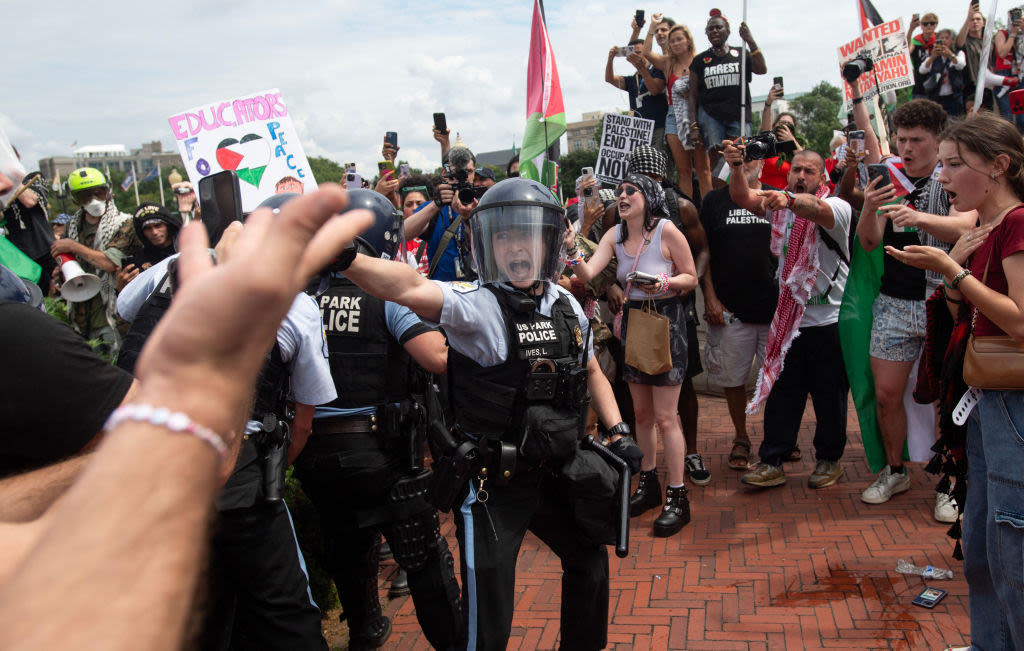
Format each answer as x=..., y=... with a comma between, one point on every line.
x=897, y=333
x=713, y=131
x=670, y=123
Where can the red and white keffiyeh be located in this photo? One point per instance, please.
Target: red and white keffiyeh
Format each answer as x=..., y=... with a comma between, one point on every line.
x=795, y=241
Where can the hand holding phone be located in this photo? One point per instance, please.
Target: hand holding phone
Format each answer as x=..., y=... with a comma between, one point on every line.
x=391, y=137
x=220, y=203
x=353, y=181
x=777, y=83
x=639, y=18
x=440, y=123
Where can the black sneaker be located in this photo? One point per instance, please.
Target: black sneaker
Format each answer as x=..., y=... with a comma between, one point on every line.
x=698, y=472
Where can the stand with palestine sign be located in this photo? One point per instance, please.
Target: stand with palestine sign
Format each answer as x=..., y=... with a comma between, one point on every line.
x=621, y=133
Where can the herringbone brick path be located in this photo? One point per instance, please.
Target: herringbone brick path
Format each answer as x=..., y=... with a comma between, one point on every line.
x=784, y=568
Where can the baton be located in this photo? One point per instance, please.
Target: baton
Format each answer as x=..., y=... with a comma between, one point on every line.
x=622, y=539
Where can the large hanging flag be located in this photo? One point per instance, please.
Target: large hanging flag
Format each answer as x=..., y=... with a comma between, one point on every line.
x=151, y=175
x=545, y=112
x=129, y=180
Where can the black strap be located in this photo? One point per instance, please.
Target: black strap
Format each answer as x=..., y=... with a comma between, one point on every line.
x=831, y=243
x=449, y=233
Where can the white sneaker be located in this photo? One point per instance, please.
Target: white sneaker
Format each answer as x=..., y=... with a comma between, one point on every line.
x=945, y=508
x=886, y=485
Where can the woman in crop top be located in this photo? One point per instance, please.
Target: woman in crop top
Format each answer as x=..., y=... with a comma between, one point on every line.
x=646, y=241
x=676, y=66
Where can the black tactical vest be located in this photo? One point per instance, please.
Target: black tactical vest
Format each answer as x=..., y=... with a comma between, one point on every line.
x=369, y=367
x=490, y=401
x=145, y=321
x=270, y=385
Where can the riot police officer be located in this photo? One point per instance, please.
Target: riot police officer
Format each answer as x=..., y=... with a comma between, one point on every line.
x=258, y=593
x=362, y=467
x=519, y=369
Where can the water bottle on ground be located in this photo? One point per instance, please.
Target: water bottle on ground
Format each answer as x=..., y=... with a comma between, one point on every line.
x=928, y=572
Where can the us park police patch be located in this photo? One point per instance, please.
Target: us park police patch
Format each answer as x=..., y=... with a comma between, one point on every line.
x=462, y=286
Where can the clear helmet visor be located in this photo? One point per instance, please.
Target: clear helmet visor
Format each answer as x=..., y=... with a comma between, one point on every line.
x=518, y=244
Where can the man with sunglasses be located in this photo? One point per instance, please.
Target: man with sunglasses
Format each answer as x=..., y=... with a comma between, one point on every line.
x=100, y=237
x=921, y=49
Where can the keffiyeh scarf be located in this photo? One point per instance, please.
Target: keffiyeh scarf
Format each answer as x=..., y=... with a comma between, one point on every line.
x=795, y=241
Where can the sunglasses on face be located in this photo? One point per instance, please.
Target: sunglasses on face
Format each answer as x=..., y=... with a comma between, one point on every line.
x=628, y=189
x=930, y=23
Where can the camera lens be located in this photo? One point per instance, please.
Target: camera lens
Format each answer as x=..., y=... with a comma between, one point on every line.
x=467, y=195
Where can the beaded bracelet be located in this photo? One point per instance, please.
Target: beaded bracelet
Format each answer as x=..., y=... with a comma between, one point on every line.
x=662, y=283
x=163, y=417
x=955, y=284
x=573, y=259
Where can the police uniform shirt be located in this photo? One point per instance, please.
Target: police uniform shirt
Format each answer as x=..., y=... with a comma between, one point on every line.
x=300, y=337
x=403, y=324
x=472, y=320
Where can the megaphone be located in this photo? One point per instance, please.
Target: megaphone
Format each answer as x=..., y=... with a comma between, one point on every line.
x=78, y=285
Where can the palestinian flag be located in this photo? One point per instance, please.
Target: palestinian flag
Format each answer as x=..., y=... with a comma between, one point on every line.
x=869, y=16
x=545, y=111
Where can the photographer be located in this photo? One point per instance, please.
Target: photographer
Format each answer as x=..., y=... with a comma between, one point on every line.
x=441, y=222
x=810, y=237
x=776, y=168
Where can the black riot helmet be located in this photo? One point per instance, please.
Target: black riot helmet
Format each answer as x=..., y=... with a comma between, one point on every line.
x=385, y=238
x=275, y=201
x=518, y=234
x=15, y=290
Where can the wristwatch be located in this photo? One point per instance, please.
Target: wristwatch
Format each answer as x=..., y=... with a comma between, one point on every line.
x=621, y=429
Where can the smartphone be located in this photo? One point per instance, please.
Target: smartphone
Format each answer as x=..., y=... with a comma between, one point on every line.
x=880, y=170
x=220, y=203
x=353, y=181
x=403, y=171
x=440, y=123
x=624, y=51
x=641, y=278
x=391, y=137
x=856, y=142
x=777, y=81
x=640, y=17
x=929, y=597
x=585, y=173
x=386, y=166
x=915, y=18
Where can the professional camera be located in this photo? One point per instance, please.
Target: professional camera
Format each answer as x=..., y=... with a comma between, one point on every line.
x=857, y=66
x=763, y=145
x=458, y=178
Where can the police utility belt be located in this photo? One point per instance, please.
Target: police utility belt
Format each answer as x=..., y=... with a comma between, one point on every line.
x=556, y=399
x=389, y=420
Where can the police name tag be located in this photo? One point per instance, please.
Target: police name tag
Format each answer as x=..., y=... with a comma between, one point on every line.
x=536, y=339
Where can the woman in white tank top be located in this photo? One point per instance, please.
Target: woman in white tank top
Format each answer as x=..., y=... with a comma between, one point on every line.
x=646, y=232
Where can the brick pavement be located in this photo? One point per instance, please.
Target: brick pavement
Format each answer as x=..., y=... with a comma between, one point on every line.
x=784, y=568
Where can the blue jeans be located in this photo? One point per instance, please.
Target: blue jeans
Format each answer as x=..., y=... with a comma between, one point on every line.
x=713, y=131
x=1004, y=105
x=993, y=534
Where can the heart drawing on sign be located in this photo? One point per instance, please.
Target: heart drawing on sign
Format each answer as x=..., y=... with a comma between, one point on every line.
x=248, y=157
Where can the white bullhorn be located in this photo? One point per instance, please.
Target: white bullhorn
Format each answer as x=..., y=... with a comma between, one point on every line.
x=78, y=285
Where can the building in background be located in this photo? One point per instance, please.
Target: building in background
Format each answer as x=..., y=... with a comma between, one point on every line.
x=114, y=158
x=583, y=134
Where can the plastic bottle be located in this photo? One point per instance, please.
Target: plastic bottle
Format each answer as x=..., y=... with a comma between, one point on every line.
x=928, y=572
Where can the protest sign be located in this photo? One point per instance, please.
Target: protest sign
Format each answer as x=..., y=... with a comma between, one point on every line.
x=886, y=46
x=252, y=135
x=10, y=167
x=621, y=133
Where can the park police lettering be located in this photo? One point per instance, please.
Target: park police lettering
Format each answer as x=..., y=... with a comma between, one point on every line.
x=540, y=331
x=741, y=216
x=340, y=313
x=724, y=74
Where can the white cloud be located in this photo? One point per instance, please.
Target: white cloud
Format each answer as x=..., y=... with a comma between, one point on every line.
x=352, y=70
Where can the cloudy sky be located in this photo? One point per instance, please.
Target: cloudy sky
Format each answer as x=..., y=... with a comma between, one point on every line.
x=351, y=70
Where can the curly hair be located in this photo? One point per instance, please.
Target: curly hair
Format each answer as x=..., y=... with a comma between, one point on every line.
x=922, y=113
x=989, y=136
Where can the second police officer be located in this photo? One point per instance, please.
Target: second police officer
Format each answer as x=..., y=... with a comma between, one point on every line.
x=519, y=369
x=361, y=467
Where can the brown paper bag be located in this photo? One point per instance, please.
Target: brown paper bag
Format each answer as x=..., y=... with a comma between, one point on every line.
x=647, y=341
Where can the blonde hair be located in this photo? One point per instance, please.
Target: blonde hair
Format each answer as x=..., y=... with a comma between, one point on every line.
x=690, y=51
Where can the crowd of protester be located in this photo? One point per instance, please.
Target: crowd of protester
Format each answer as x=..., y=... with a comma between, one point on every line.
x=772, y=249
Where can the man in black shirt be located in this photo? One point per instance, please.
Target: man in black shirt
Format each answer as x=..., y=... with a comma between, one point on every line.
x=740, y=295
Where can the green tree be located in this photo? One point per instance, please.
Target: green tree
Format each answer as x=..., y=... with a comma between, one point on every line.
x=569, y=169
x=816, y=112
x=325, y=170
